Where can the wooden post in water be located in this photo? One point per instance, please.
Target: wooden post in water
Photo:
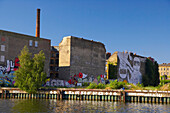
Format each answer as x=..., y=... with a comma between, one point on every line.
x=2, y=94
x=61, y=96
x=124, y=96
x=120, y=96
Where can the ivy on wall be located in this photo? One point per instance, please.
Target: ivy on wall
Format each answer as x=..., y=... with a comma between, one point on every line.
x=151, y=77
x=112, y=70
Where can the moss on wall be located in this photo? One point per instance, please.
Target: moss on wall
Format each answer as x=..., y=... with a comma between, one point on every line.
x=112, y=70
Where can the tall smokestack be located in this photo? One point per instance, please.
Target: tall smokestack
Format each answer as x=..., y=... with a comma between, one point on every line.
x=38, y=24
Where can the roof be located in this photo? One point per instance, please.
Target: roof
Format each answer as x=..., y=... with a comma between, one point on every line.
x=55, y=48
x=73, y=37
x=164, y=64
x=23, y=35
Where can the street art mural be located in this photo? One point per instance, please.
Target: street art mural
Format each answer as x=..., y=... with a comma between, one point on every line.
x=130, y=67
x=6, y=72
x=76, y=80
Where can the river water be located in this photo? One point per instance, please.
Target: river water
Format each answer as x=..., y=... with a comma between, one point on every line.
x=73, y=106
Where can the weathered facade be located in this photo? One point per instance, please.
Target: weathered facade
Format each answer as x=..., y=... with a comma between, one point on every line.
x=11, y=45
x=80, y=55
x=54, y=62
x=126, y=66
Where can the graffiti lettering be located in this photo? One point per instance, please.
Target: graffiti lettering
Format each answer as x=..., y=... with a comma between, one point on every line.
x=10, y=66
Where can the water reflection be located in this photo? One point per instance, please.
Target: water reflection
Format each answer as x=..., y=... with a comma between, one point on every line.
x=73, y=106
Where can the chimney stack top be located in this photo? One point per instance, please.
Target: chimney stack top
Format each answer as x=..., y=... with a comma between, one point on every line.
x=38, y=24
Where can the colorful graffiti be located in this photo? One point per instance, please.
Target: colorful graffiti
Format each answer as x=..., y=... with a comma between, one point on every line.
x=10, y=66
x=81, y=78
x=57, y=83
x=76, y=80
x=6, y=72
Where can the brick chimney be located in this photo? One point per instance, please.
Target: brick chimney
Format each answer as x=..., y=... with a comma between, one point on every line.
x=38, y=24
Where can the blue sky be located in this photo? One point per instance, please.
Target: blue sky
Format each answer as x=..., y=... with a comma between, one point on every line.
x=139, y=26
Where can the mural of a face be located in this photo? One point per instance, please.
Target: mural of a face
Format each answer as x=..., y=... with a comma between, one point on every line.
x=129, y=68
x=136, y=64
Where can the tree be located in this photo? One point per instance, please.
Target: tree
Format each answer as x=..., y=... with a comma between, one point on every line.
x=30, y=76
x=151, y=77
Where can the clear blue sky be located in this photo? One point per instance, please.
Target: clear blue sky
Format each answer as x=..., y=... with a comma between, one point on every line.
x=139, y=26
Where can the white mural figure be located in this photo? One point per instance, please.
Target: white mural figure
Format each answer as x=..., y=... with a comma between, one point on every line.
x=136, y=75
x=126, y=70
x=124, y=64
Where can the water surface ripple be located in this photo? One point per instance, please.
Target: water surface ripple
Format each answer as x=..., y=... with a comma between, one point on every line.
x=73, y=106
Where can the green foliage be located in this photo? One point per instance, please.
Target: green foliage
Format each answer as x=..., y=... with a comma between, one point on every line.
x=162, y=82
x=112, y=70
x=151, y=78
x=85, y=84
x=92, y=86
x=135, y=87
x=140, y=85
x=116, y=84
x=95, y=86
x=101, y=86
x=30, y=76
x=98, y=78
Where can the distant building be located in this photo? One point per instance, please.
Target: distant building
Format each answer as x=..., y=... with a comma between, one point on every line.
x=164, y=70
x=11, y=45
x=54, y=62
x=108, y=54
x=80, y=55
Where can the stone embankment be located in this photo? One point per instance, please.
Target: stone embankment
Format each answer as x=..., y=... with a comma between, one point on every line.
x=145, y=96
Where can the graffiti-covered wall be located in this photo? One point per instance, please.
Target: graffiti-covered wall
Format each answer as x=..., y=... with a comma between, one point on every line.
x=7, y=72
x=12, y=43
x=130, y=67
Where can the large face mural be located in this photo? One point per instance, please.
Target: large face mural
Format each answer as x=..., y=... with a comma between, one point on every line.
x=6, y=72
x=129, y=68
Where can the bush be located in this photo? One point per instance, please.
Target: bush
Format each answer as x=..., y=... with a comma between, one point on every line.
x=116, y=84
x=95, y=86
x=85, y=84
x=101, y=86
x=164, y=82
x=92, y=86
x=140, y=85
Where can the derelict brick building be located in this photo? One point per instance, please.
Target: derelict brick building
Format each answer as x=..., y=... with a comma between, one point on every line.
x=80, y=55
x=11, y=45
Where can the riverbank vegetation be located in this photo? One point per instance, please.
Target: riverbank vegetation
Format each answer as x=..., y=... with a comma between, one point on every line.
x=128, y=86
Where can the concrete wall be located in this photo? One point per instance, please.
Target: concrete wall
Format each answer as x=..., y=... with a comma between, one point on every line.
x=83, y=56
x=64, y=52
x=14, y=43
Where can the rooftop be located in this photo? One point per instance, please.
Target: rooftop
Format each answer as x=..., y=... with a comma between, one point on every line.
x=14, y=33
x=164, y=64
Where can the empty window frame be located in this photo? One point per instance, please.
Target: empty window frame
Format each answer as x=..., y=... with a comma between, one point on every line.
x=36, y=43
x=2, y=47
x=2, y=58
x=30, y=42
